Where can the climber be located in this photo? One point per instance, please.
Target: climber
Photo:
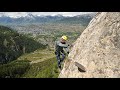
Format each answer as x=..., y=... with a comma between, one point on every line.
x=61, y=50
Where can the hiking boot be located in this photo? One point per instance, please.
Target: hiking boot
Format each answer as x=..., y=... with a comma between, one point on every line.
x=59, y=67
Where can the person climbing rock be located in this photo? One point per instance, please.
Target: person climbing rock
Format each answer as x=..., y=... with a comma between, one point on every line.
x=61, y=50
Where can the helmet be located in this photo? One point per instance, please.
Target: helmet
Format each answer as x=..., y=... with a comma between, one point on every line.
x=64, y=37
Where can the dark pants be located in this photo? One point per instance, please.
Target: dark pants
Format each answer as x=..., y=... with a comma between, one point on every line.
x=60, y=58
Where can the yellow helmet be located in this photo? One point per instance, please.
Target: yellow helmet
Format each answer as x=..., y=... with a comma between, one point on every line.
x=64, y=37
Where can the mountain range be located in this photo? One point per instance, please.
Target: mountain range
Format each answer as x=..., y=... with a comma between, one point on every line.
x=30, y=18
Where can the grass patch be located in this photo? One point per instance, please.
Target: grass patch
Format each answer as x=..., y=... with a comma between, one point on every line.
x=37, y=55
x=45, y=69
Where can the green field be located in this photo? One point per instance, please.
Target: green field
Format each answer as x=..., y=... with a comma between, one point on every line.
x=43, y=64
x=38, y=55
x=44, y=69
x=38, y=64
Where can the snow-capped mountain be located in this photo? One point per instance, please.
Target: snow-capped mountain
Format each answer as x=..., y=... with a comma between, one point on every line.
x=33, y=18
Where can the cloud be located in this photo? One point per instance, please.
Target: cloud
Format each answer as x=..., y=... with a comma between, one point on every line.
x=19, y=14
x=62, y=13
x=13, y=14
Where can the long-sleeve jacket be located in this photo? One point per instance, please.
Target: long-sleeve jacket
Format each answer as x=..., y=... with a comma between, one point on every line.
x=60, y=47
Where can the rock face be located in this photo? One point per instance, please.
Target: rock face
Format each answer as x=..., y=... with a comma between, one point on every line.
x=97, y=49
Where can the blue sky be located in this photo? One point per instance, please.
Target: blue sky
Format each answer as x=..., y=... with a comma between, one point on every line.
x=18, y=14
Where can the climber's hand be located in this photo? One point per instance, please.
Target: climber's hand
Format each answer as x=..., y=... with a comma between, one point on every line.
x=67, y=52
x=55, y=53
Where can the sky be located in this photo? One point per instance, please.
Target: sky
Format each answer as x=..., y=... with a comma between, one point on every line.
x=19, y=14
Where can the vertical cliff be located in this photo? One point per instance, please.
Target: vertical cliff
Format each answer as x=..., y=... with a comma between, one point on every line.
x=97, y=49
